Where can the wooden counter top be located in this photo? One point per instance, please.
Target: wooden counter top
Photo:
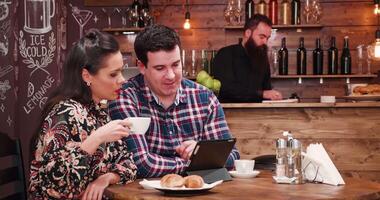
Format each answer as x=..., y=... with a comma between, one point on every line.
x=301, y=105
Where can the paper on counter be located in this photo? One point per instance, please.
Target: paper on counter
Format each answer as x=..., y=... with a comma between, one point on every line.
x=281, y=101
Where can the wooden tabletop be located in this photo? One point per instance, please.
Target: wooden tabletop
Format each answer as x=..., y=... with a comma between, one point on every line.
x=261, y=187
x=375, y=104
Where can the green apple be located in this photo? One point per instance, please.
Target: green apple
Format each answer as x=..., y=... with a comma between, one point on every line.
x=202, y=76
x=209, y=83
x=216, y=85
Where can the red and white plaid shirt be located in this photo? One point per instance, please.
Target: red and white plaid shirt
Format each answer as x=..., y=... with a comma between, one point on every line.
x=195, y=115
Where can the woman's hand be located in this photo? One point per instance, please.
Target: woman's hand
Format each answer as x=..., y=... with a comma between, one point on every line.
x=110, y=132
x=96, y=188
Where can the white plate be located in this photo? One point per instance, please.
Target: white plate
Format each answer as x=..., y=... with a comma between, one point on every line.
x=244, y=175
x=182, y=190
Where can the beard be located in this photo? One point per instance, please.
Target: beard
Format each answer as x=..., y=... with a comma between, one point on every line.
x=258, y=55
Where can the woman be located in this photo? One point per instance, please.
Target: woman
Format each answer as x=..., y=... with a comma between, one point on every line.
x=77, y=151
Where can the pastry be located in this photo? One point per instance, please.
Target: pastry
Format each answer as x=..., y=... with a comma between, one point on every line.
x=194, y=181
x=172, y=180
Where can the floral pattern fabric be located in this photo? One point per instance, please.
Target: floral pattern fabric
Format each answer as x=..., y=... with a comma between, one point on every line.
x=60, y=169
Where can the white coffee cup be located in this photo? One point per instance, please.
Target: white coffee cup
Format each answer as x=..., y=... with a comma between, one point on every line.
x=244, y=166
x=328, y=99
x=139, y=124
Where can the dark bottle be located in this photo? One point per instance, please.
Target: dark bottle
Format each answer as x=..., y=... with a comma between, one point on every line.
x=144, y=13
x=283, y=58
x=345, y=59
x=273, y=11
x=136, y=8
x=301, y=58
x=296, y=12
x=249, y=9
x=332, y=57
x=318, y=58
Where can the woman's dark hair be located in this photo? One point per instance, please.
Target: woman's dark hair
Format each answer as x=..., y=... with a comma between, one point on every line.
x=255, y=20
x=155, y=38
x=87, y=53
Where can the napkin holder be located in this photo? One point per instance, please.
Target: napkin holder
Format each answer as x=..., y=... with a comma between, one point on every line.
x=318, y=167
x=211, y=175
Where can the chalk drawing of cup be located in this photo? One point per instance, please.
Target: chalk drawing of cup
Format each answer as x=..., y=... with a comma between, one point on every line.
x=38, y=14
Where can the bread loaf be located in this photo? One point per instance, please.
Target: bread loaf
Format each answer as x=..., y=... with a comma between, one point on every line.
x=172, y=180
x=194, y=181
x=370, y=89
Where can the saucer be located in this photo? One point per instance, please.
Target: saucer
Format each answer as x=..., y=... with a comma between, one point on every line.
x=251, y=174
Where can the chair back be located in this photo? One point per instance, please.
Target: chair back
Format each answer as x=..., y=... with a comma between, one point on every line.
x=12, y=177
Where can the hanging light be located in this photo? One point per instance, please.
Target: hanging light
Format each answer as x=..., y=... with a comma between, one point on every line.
x=374, y=48
x=376, y=11
x=187, y=24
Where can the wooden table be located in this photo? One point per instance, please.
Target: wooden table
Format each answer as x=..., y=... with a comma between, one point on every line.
x=261, y=187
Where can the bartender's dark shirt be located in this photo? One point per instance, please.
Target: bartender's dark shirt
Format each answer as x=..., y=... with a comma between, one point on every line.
x=241, y=82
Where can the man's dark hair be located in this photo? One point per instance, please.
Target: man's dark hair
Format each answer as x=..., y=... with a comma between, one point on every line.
x=254, y=21
x=155, y=38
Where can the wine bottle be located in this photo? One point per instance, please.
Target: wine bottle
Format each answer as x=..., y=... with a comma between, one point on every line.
x=283, y=58
x=301, y=58
x=332, y=57
x=345, y=59
x=318, y=58
x=262, y=7
x=145, y=11
x=273, y=10
x=285, y=13
x=136, y=7
x=296, y=12
x=249, y=9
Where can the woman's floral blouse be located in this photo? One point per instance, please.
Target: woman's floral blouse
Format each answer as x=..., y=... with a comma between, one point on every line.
x=60, y=169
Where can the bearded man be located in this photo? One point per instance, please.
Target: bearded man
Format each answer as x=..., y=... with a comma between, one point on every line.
x=243, y=69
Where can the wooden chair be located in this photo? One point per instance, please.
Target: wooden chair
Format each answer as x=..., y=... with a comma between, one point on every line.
x=12, y=177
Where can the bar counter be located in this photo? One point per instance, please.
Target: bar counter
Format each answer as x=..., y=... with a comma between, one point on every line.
x=350, y=132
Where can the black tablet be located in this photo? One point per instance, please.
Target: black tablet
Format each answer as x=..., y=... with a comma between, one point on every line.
x=210, y=154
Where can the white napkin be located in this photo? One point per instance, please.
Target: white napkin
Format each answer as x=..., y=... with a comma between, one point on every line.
x=318, y=166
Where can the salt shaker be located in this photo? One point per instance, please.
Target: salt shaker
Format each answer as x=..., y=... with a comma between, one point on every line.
x=294, y=157
x=281, y=156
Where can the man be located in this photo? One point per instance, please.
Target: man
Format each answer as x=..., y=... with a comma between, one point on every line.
x=243, y=69
x=182, y=112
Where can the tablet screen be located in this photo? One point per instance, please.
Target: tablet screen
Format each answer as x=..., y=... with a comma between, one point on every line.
x=211, y=154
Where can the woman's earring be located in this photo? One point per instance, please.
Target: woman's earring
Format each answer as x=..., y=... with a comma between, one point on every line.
x=88, y=84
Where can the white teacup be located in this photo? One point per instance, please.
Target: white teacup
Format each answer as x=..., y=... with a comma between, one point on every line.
x=139, y=124
x=244, y=166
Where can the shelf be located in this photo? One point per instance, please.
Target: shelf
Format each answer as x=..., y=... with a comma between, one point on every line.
x=326, y=76
x=321, y=77
x=124, y=31
x=301, y=26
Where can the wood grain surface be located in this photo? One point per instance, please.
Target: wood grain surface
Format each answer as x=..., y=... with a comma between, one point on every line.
x=350, y=135
x=261, y=187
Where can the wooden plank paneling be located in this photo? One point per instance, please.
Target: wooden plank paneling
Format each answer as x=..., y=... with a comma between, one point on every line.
x=349, y=135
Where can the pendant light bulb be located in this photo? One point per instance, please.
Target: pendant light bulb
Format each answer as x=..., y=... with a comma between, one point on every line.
x=187, y=24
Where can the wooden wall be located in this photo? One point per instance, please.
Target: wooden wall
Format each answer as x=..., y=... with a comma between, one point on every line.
x=353, y=18
x=349, y=135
